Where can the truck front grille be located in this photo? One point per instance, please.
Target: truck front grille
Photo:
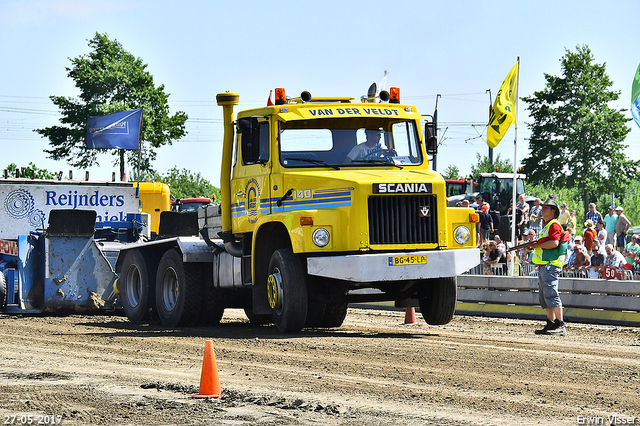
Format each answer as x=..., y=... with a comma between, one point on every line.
x=396, y=219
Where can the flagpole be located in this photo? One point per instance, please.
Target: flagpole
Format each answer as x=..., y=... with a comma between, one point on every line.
x=515, y=170
x=139, y=154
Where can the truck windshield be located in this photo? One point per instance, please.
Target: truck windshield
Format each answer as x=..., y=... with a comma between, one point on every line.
x=349, y=142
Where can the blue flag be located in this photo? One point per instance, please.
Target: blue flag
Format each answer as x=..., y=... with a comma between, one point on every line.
x=119, y=130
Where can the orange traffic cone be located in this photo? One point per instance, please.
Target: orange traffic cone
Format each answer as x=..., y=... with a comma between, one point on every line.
x=410, y=316
x=209, y=380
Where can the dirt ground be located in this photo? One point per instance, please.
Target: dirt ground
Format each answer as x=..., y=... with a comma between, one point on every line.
x=77, y=370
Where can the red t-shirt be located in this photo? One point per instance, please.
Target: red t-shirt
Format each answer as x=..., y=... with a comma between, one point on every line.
x=555, y=231
x=589, y=235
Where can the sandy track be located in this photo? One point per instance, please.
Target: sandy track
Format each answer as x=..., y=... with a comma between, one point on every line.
x=373, y=370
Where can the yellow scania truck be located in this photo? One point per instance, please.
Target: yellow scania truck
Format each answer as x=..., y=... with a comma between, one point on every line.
x=325, y=201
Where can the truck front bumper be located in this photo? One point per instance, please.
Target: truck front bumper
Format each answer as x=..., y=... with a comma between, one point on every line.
x=371, y=267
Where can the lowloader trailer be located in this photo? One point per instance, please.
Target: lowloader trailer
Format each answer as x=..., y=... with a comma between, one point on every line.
x=321, y=198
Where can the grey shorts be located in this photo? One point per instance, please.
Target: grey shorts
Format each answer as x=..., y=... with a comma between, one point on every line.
x=548, y=286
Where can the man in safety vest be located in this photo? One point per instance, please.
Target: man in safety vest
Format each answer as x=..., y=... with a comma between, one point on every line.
x=550, y=251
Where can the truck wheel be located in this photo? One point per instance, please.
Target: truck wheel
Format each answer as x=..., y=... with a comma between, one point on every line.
x=179, y=291
x=257, y=319
x=287, y=290
x=334, y=315
x=136, y=295
x=315, y=313
x=437, y=299
x=3, y=290
x=213, y=303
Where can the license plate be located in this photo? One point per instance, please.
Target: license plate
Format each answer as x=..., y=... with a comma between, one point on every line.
x=407, y=260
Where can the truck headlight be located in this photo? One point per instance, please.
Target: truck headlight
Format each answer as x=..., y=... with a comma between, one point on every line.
x=321, y=237
x=462, y=235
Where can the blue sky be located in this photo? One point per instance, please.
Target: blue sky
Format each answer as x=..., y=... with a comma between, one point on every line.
x=199, y=48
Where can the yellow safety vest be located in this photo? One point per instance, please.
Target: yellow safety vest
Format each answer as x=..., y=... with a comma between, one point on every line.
x=554, y=256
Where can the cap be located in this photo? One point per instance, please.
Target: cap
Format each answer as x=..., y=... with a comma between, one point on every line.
x=551, y=203
x=552, y=195
x=577, y=237
x=485, y=207
x=618, y=209
x=612, y=208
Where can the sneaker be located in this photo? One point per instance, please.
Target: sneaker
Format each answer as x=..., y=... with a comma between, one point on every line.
x=558, y=330
x=548, y=326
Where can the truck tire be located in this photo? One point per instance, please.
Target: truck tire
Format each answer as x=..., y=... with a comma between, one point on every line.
x=179, y=291
x=3, y=290
x=257, y=319
x=334, y=315
x=315, y=313
x=213, y=303
x=287, y=290
x=437, y=299
x=136, y=293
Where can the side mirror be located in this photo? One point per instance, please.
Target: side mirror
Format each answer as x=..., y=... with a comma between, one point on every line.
x=431, y=138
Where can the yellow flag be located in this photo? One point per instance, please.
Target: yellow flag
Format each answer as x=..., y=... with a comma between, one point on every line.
x=504, y=109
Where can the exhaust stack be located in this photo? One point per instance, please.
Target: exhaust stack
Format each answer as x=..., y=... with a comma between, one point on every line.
x=227, y=101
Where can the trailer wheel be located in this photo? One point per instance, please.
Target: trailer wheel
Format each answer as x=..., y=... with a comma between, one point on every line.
x=437, y=299
x=334, y=315
x=179, y=291
x=287, y=290
x=136, y=295
x=3, y=290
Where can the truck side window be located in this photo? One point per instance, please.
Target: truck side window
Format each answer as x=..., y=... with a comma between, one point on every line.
x=254, y=140
x=264, y=143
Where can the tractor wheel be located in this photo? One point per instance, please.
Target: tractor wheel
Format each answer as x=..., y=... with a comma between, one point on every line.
x=437, y=299
x=179, y=291
x=287, y=290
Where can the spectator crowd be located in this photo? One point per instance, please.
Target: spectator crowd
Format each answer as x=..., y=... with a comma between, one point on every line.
x=602, y=245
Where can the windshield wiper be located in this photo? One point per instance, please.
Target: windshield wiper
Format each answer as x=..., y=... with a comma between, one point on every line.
x=387, y=162
x=313, y=161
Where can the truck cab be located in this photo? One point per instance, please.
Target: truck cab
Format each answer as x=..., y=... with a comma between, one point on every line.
x=322, y=197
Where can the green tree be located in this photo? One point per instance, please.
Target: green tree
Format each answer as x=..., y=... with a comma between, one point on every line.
x=110, y=79
x=451, y=172
x=483, y=165
x=28, y=172
x=184, y=184
x=577, y=139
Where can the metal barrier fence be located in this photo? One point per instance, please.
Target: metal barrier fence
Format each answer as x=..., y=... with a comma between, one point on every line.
x=531, y=270
x=590, y=300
